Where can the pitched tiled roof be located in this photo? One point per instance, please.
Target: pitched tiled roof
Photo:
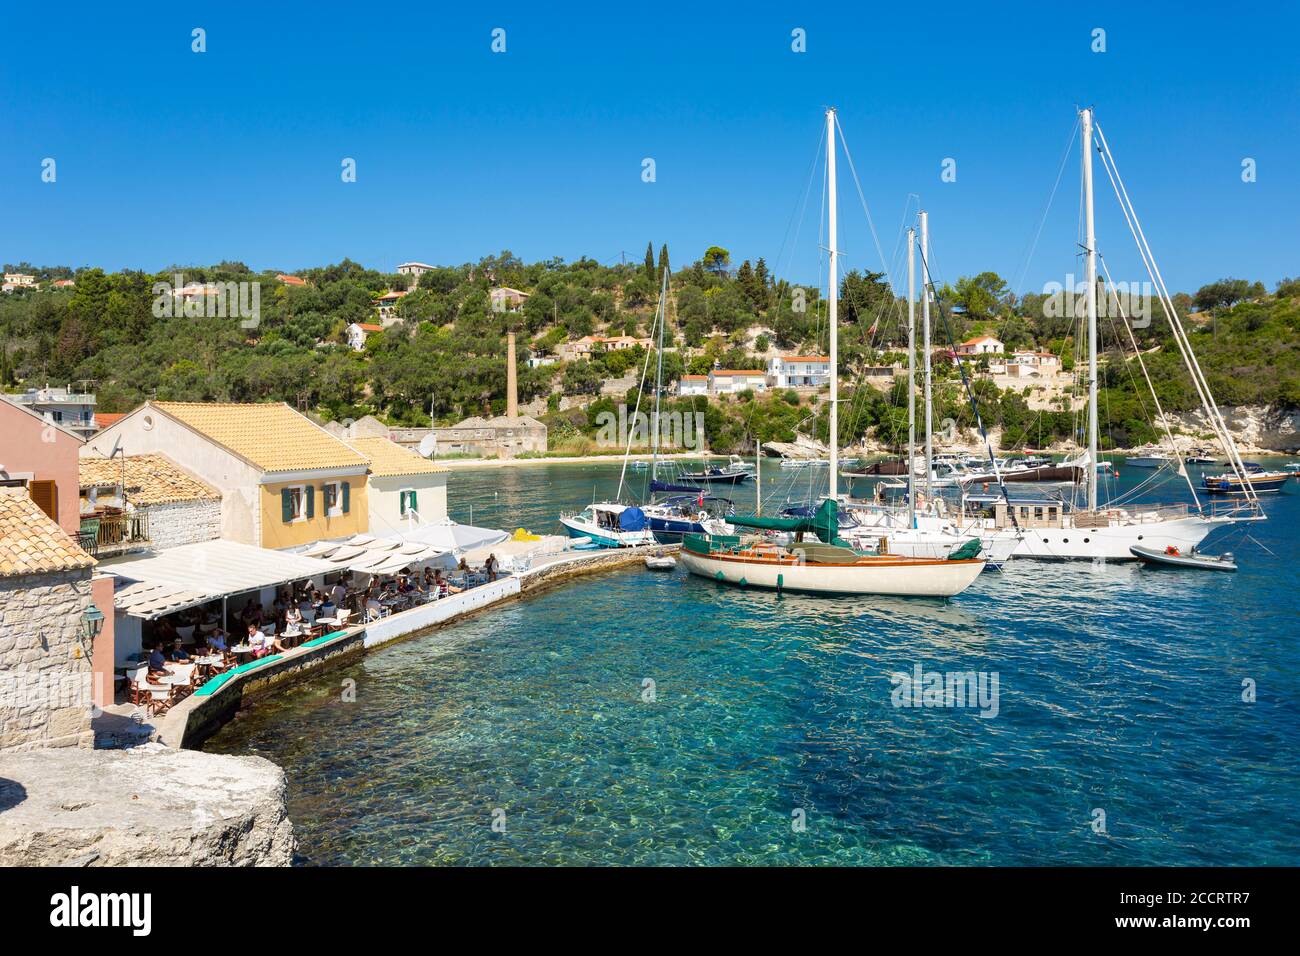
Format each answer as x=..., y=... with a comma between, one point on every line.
x=389, y=459
x=150, y=479
x=271, y=436
x=104, y=419
x=30, y=543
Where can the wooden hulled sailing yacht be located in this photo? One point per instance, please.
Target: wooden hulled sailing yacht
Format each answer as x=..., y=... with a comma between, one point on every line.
x=817, y=559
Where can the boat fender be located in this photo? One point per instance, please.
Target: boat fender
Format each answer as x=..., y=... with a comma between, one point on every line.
x=718, y=576
x=780, y=582
x=744, y=583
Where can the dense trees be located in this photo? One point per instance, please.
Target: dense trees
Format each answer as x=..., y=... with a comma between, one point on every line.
x=446, y=355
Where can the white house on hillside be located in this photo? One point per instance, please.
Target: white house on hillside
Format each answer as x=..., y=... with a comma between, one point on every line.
x=414, y=269
x=693, y=385
x=357, y=333
x=981, y=345
x=725, y=381
x=799, y=371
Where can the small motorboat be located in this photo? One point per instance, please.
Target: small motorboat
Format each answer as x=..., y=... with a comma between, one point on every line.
x=735, y=472
x=1175, y=558
x=660, y=561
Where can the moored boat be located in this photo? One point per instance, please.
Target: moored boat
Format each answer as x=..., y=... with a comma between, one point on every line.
x=610, y=525
x=1258, y=482
x=1175, y=558
x=733, y=473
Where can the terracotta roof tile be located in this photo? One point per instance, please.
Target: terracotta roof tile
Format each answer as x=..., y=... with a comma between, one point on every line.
x=389, y=459
x=30, y=543
x=272, y=436
x=150, y=479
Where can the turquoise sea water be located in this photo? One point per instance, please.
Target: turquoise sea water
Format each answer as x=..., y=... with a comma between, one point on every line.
x=1120, y=690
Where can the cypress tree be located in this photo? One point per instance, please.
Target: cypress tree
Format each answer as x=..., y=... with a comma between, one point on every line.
x=650, y=261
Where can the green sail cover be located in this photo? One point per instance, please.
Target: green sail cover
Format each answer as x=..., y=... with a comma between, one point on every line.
x=825, y=523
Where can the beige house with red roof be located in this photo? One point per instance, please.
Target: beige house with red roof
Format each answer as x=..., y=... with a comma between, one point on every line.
x=386, y=307
x=284, y=480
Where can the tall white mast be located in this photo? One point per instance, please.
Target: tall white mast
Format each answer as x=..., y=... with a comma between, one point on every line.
x=834, y=306
x=1090, y=276
x=925, y=345
x=911, y=378
x=662, y=316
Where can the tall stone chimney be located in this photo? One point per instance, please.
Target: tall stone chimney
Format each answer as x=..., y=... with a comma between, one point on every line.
x=512, y=386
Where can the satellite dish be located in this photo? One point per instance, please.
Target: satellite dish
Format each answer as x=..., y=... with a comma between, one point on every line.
x=117, y=446
x=429, y=445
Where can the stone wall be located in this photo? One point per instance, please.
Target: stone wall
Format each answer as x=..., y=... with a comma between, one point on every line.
x=44, y=674
x=184, y=522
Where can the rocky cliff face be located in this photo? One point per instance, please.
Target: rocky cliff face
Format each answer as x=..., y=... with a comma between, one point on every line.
x=1255, y=428
x=147, y=806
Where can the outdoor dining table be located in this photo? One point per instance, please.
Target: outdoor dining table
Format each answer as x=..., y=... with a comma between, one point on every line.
x=208, y=661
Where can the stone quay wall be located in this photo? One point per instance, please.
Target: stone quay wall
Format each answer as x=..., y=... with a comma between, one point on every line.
x=45, y=672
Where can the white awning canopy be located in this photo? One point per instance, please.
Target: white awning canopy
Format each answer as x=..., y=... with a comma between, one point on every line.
x=160, y=584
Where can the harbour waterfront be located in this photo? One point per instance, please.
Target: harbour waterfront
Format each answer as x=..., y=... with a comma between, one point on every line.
x=770, y=735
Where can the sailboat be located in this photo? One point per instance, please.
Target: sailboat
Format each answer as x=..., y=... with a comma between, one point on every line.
x=613, y=524
x=1055, y=530
x=687, y=509
x=815, y=558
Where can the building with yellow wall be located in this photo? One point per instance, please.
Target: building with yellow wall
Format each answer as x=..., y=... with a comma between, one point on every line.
x=284, y=480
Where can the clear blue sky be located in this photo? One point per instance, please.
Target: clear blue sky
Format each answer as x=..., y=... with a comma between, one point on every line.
x=168, y=156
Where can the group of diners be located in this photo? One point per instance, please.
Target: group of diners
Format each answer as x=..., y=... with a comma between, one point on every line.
x=183, y=650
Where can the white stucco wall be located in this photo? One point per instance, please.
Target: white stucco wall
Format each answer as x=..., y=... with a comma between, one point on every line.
x=385, y=500
x=235, y=479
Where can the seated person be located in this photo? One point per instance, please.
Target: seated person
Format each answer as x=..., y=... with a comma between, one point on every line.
x=177, y=653
x=293, y=620
x=158, y=666
x=254, y=638
x=463, y=567
x=217, y=641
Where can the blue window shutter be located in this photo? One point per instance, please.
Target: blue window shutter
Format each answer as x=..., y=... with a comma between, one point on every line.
x=347, y=497
x=286, y=504
x=310, y=492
